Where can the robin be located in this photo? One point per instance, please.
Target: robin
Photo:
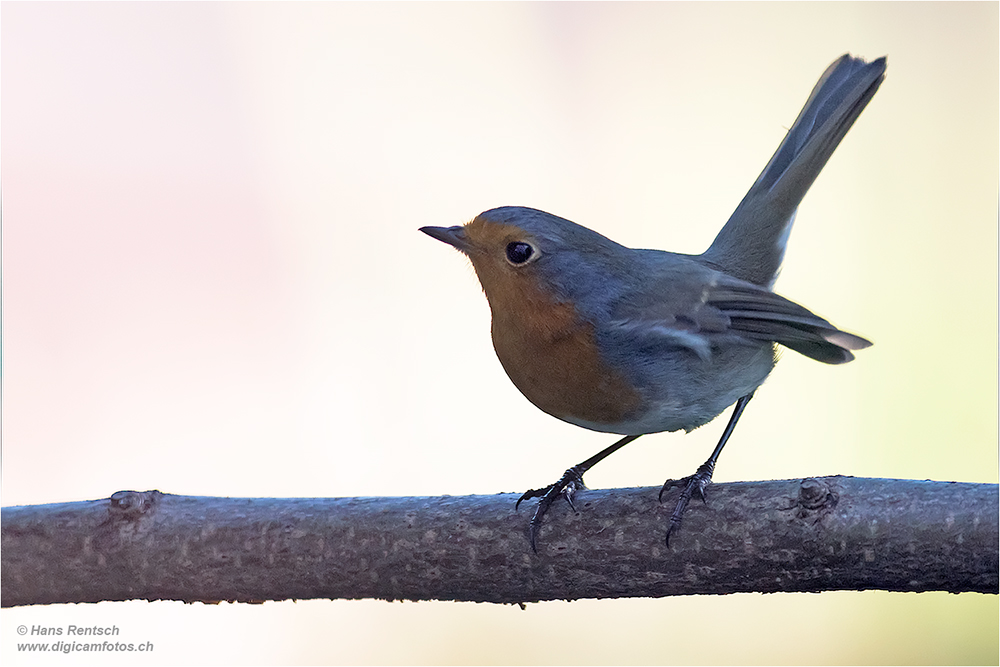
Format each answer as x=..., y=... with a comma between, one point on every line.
x=633, y=341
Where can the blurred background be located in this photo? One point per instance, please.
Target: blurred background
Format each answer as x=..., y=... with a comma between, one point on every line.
x=214, y=285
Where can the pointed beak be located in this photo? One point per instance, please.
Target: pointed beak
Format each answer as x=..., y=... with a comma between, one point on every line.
x=453, y=236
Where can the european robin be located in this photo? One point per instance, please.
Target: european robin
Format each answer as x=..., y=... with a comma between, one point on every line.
x=632, y=341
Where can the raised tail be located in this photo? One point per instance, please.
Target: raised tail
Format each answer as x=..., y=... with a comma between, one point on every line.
x=752, y=243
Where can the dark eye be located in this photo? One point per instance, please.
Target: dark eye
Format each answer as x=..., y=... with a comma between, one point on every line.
x=519, y=252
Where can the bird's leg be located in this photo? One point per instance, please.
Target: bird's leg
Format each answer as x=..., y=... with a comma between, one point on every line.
x=694, y=486
x=567, y=486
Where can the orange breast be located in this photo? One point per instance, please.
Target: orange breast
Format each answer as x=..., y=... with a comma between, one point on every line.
x=551, y=356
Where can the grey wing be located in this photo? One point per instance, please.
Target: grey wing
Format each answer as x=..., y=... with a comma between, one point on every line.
x=692, y=307
x=760, y=314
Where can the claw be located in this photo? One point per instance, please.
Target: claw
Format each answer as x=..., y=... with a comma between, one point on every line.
x=570, y=491
x=567, y=486
x=669, y=484
x=694, y=487
x=534, y=493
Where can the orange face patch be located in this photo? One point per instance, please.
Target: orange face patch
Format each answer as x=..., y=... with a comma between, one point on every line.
x=549, y=353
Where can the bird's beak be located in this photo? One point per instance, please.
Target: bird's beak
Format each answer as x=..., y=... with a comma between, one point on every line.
x=453, y=236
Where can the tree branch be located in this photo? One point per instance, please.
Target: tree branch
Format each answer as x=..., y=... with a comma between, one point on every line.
x=818, y=534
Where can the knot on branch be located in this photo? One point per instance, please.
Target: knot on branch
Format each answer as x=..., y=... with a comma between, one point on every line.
x=816, y=494
x=133, y=504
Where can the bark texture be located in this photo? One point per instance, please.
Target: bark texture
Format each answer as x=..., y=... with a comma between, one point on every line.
x=817, y=534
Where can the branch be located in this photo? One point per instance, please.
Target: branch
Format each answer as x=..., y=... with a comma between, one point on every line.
x=817, y=534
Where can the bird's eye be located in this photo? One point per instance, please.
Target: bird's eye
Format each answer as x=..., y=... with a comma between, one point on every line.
x=519, y=252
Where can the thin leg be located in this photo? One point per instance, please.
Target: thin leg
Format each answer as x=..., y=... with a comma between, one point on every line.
x=567, y=486
x=694, y=486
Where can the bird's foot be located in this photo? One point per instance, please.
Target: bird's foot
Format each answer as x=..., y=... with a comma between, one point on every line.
x=693, y=487
x=567, y=486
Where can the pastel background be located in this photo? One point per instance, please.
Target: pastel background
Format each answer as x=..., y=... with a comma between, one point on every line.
x=214, y=285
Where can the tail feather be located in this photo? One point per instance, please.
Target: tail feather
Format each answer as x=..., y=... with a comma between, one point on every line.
x=751, y=244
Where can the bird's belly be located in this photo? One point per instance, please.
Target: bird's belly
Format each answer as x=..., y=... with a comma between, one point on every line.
x=683, y=391
x=567, y=377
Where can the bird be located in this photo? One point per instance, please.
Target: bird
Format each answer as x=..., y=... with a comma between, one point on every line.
x=639, y=341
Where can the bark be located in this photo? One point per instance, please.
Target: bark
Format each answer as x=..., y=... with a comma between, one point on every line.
x=817, y=534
